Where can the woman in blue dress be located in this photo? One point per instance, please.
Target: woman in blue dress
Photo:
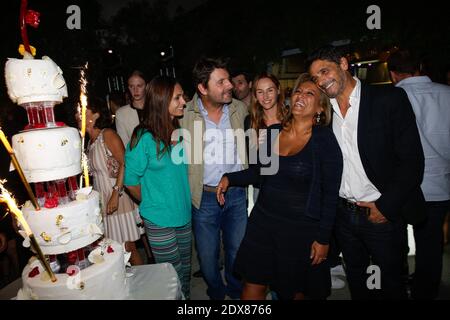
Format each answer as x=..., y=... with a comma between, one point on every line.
x=287, y=239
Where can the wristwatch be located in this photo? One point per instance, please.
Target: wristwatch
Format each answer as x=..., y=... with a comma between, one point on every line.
x=118, y=189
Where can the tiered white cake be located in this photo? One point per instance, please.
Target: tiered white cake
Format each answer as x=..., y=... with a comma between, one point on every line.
x=31, y=80
x=67, y=227
x=49, y=154
x=103, y=280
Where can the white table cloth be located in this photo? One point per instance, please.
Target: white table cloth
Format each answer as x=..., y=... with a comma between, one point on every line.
x=147, y=282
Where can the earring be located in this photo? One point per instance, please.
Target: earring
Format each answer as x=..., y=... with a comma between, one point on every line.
x=90, y=121
x=318, y=117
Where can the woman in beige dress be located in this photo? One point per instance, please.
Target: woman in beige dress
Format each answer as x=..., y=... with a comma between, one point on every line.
x=106, y=153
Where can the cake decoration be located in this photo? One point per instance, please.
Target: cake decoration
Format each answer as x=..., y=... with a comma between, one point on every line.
x=34, y=272
x=59, y=219
x=69, y=222
x=46, y=237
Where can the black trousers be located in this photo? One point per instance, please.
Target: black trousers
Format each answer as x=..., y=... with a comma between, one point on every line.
x=366, y=244
x=334, y=251
x=429, y=239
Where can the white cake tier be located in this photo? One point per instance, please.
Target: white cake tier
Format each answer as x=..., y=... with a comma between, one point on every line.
x=34, y=80
x=48, y=154
x=103, y=280
x=67, y=227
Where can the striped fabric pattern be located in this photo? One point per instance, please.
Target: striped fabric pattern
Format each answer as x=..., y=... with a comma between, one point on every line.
x=122, y=225
x=173, y=245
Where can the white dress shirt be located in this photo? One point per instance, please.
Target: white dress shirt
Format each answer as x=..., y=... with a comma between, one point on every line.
x=355, y=185
x=220, y=151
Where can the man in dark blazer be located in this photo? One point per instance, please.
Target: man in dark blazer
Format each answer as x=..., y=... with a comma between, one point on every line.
x=383, y=169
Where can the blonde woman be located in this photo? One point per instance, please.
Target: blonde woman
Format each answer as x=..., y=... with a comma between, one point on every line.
x=286, y=243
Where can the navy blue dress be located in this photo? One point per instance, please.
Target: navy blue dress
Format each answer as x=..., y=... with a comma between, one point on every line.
x=276, y=248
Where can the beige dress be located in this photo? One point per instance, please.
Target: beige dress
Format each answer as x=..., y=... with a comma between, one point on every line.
x=124, y=224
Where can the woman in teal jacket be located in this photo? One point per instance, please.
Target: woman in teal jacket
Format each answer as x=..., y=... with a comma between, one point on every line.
x=159, y=180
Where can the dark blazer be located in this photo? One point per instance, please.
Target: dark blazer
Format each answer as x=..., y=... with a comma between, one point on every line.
x=326, y=178
x=391, y=152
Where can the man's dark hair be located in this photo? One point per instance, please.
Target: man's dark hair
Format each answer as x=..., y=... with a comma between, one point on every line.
x=328, y=52
x=235, y=71
x=403, y=61
x=247, y=75
x=203, y=69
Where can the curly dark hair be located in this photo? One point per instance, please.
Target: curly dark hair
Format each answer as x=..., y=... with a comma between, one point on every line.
x=98, y=105
x=203, y=69
x=328, y=52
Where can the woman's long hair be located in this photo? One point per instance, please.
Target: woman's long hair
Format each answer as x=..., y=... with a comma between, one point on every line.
x=257, y=111
x=156, y=116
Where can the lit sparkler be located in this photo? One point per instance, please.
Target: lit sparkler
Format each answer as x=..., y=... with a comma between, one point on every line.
x=85, y=165
x=83, y=102
x=19, y=169
x=5, y=197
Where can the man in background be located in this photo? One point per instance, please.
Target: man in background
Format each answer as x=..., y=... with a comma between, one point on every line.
x=242, y=86
x=431, y=105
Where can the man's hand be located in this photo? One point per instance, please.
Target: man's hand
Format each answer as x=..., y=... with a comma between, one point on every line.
x=375, y=215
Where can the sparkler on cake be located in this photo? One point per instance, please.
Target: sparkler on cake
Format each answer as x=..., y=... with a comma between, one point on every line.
x=69, y=225
x=6, y=197
x=83, y=103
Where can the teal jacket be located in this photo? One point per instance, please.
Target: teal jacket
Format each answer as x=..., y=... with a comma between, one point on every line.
x=165, y=194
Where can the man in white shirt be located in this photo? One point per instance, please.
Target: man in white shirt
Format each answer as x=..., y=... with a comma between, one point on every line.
x=127, y=117
x=383, y=168
x=431, y=105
